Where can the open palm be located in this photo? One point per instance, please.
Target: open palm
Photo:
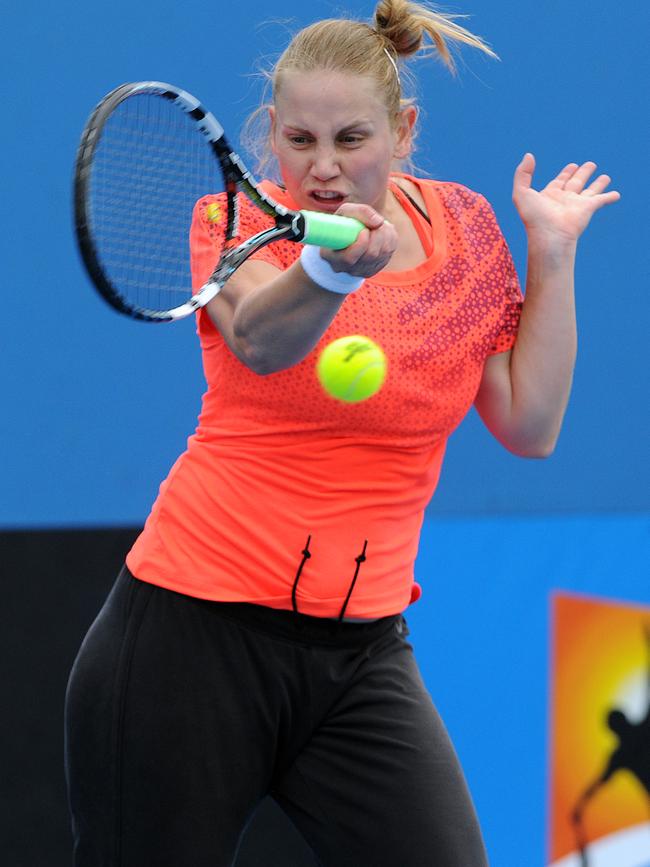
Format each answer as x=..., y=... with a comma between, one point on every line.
x=563, y=209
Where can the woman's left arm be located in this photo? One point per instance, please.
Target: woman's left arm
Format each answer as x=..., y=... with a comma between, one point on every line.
x=524, y=392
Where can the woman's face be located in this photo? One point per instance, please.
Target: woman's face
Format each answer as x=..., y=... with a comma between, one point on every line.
x=334, y=141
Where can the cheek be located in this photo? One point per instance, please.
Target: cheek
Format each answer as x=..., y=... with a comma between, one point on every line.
x=291, y=164
x=374, y=166
x=293, y=172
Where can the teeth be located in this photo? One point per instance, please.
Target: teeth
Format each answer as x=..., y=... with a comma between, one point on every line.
x=328, y=195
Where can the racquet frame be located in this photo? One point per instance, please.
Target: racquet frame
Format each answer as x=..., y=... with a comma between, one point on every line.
x=288, y=224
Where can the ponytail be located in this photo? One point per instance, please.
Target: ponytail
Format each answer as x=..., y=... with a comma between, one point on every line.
x=413, y=28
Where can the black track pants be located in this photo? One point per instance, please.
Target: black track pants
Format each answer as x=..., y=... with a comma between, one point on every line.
x=182, y=714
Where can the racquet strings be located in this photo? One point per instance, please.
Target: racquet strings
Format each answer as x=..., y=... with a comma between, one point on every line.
x=150, y=167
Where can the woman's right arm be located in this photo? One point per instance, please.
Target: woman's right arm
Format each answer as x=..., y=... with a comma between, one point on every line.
x=272, y=319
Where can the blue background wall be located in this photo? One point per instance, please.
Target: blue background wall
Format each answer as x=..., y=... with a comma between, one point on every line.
x=96, y=407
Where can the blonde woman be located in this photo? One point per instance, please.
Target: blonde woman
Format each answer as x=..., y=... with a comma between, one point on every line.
x=255, y=642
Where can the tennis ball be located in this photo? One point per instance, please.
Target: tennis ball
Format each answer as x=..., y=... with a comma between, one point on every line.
x=213, y=212
x=352, y=368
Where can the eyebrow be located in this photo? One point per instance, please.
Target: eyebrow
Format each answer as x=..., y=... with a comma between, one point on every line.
x=347, y=128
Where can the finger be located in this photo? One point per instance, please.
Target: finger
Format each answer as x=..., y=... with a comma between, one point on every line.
x=369, y=254
x=577, y=182
x=599, y=185
x=348, y=257
x=385, y=237
x=565, y=175
x=523, y=178
x=606, y=199
x=364, y=213
x=382, y=243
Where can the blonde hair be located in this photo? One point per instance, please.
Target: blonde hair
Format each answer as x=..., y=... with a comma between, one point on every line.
x=401, y=30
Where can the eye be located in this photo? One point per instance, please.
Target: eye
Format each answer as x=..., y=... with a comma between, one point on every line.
x=352, y=138
x=299, y=140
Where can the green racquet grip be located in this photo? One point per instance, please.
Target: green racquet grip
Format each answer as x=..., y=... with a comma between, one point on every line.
x=330, y=230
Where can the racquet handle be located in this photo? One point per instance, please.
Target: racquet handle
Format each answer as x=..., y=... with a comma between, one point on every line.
x=330, y=230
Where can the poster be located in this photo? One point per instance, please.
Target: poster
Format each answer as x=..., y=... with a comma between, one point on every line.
x=599, y=781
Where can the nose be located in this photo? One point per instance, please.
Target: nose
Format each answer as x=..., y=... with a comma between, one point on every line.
x=325, y=165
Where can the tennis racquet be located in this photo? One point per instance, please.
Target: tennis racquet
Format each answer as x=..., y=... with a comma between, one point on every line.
x=148, y=153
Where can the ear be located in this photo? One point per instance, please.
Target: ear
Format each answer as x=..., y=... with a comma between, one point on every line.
x=272, y=128
x=404, y=132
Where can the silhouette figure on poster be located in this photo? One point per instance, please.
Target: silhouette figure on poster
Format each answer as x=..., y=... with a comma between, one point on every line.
x=632, y=753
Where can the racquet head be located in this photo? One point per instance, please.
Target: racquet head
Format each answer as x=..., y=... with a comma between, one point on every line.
x=146, y=156
x=148, y=153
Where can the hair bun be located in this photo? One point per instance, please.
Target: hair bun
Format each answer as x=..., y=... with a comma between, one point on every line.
x=395, y=22
x=412, y=26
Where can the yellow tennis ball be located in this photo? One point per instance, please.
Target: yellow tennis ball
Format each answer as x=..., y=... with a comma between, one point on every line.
x=352, y=368
x=213, y=212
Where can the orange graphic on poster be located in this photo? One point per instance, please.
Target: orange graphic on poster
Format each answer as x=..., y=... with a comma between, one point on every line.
x=600, y=733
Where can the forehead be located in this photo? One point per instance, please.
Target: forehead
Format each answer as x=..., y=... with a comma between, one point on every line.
x=328, y=96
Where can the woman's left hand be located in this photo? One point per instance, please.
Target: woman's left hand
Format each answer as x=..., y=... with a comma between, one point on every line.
x=562, y=210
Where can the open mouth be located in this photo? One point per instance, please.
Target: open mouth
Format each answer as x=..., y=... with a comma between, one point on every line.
x=327, y=199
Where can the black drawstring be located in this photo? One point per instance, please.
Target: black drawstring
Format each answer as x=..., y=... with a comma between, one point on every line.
x=360, y=559
x=306, y=554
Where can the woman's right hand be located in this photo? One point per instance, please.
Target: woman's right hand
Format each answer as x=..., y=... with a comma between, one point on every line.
x=372, y=250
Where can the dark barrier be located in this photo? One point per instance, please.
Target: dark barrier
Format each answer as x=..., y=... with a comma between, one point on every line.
x=54, y=582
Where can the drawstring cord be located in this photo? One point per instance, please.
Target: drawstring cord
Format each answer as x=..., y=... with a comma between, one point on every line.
x=360, y=559
x=306, y=554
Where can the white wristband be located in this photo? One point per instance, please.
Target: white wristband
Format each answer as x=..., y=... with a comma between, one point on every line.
x=321, y=272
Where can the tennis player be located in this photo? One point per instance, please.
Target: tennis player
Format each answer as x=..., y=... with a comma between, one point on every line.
x=255, y=642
